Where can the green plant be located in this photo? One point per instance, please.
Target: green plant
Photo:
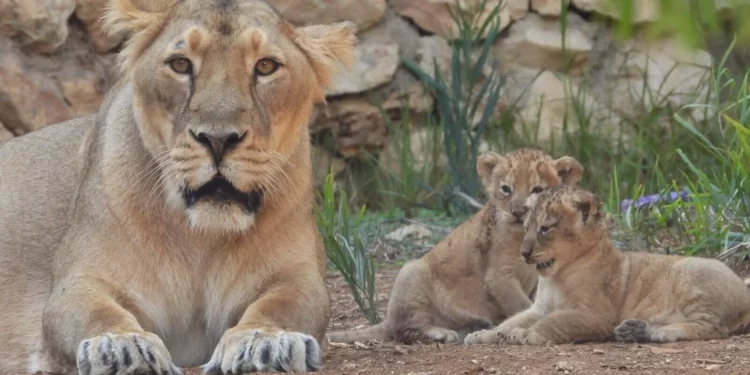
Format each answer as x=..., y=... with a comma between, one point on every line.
x=465, y=102
x=346, y=249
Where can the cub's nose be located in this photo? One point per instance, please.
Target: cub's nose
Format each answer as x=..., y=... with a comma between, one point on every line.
x=519, y=212
x=219, y=143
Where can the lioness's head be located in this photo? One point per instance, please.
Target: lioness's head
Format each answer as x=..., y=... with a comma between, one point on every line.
x=222, y=94
x=513, y=180
x=565, y=224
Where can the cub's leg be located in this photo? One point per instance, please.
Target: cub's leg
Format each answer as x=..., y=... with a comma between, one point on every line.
x=509, y=294
x=521, y=320
x=563, y=327
x=634, y=330
x=85, y=324
x=411, y=309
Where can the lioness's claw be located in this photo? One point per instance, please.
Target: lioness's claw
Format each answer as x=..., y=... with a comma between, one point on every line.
x=260, y=351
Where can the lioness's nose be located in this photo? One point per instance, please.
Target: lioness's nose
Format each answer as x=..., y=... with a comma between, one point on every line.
x=218, y=144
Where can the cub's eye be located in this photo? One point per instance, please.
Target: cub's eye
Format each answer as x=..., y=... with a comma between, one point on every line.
x=266, y=67
x=505, y=189
x=537, y=190
x=544, y=229
x=181, y=65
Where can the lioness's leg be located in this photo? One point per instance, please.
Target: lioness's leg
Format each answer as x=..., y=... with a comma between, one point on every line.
x=563, y=327
x=523, y=319
x=276, y=332
x=84, y=323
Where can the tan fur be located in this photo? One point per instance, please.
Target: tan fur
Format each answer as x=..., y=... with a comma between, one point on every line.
x=591, y=291
x=106, y=268
x=475, y=277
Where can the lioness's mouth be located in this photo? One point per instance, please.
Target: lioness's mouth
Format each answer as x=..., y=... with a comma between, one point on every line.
x=221, y=190
x=543, y=265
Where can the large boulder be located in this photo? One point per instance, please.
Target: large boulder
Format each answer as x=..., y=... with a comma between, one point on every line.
x=434, y=16
x=364, y=13
x=29, y=100
x=36, y=25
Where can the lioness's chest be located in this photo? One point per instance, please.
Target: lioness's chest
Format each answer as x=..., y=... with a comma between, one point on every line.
x=190, y=305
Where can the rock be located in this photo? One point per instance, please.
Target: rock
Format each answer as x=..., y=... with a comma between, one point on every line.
x=394, y=29
x=364, y=13
x=537, y=43
x=558, y=105
x=644, y=10
x=548, y=7
x=324, y=162
x=411, y=231
x=90, y=13
x=5, y=134
x=563, y=366
x=37, y=25
x=645, y=75
x=414, y=98
x=425, y=150
x=375, y=65
x=356, y=124
x=434, y=15
x=29, y=100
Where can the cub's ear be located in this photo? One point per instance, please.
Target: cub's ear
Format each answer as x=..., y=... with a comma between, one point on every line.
x=135, y=15
x=589, y=205
x=569, y=170
x=327, y=48
x=486, y=163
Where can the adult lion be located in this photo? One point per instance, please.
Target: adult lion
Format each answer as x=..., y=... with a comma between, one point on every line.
x=174, y=227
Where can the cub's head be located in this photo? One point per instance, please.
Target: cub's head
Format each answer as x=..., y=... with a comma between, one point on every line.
x=222, y=93
x=513, y=180
x=565, y=224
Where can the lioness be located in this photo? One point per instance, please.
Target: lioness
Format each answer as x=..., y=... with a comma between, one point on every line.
x=476, y=276
x=590, y=291
x=177, y=222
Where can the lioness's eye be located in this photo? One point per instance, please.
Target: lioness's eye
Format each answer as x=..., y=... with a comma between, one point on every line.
x=536, y=190
x=266, y=67
x=506, y=189
x=181, y=65
x=543, y=229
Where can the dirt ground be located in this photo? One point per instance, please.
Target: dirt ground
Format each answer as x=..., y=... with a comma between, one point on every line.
x=730, y=356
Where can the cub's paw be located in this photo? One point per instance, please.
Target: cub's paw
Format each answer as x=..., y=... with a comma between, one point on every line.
x=489, y=336
x=632, y=330
x=256, y=350
x=121, y=354
x=517, y=336
x=443, y=335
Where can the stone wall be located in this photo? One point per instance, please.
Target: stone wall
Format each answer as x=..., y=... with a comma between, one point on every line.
x=56, y=63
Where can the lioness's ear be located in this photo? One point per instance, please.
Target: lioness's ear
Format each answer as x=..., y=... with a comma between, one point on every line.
x=135, y=15
x=589, y=205
x=569, y=170
x=327, y=46
x=486, y=163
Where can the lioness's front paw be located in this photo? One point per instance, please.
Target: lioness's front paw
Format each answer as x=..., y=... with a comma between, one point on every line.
x=260, y=351
x=124, y=354
x=517, y=336
x=632, y=330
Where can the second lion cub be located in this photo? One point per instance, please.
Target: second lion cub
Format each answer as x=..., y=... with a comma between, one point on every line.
x=590, y=291
x=476, y=276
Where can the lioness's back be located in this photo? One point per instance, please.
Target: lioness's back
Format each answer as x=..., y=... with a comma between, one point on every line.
x=37, y=181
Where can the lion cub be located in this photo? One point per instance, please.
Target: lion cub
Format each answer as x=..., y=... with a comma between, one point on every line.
x=475, y=276
x=587, y=287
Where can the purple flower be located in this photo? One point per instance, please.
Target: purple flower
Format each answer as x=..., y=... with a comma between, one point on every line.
x=649, y=200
